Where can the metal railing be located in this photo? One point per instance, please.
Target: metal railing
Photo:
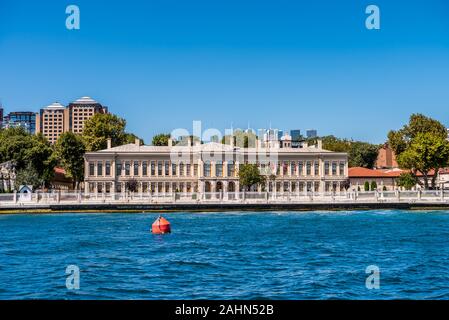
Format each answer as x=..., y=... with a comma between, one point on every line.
x=39, y=198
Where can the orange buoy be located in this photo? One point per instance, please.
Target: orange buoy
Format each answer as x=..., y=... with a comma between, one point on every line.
x=161, y=226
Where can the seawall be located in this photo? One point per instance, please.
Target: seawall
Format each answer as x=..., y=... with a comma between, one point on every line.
x=202, y=207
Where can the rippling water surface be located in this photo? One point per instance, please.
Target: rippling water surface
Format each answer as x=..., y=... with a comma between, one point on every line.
x=227, y=255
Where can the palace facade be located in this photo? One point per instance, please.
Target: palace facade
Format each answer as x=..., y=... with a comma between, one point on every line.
x=213, y=167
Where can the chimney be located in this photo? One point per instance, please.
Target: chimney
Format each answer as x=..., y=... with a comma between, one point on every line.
x=189, y=142
x=170, y=142
x=319, y=144
x=137, y=142
x=109, y=142
x=232, y=141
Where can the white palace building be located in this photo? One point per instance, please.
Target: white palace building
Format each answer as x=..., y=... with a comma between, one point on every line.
x=212, y=168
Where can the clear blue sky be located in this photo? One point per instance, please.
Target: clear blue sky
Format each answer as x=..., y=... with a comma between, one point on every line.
x=297, y=64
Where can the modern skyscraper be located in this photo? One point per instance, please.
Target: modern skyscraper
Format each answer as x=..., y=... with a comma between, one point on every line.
x=280, y=134
x=311, y=133
x=296, y=135
x=23, y=119
x=1, y=116
x=297, y=138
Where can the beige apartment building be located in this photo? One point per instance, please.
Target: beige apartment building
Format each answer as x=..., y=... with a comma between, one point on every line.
x=82, y=110
x=54, y=120
x=213, y=168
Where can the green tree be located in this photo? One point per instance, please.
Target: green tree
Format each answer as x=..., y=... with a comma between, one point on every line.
x=184, y=140
x=23, y=148
x=366, y=186
x=332, y=143
x=132, y=185
x=69, y=150
x=100, y=127
x=427, y=154
x=131, y=138
x=40, y=154
x=421, y=147
x=161, y=139
x=373, y=185
x=360, y=154
x=14, y=143
x=249, y=176
x=241, y=138
x=28, y=176
x=407, y=181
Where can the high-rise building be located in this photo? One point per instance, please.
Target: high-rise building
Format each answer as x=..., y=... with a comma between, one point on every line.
x=297, y=138
x=280, y=134
x=296, y=135
x=1, y=116
x=52, y=121
x=311, y=133
x=271, y=135
x=82, y=110
x=23, y=119
x=56, y=119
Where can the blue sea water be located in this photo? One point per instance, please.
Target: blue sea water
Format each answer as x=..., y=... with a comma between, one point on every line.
x=227, y=255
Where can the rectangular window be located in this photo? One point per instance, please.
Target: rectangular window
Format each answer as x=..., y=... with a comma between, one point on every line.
x=145, y=168
x=342, y=168
x=91, y=169
x=293, y=168
x=207, y=169
x=136, y=168
x=188, y=170
x=308, y=168
x=309, y=186
x=99, y=168
x=167, y=168
x=219, y=169
x=334, y=168
x=181, y=169
x=231, y=169
x=108, y=168
x=195, y=170
x=317, y=169
x=300, y=168
x=173, y=169
x=118, y=168
x=326, y=168
x=153, y=168
x=285, y=168
x=159, y=168
x=127, y=168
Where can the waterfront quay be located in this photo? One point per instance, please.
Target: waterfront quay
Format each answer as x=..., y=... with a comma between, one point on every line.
x=79, y=201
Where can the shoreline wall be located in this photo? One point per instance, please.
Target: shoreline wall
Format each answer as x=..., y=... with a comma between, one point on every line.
x=202, y=207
